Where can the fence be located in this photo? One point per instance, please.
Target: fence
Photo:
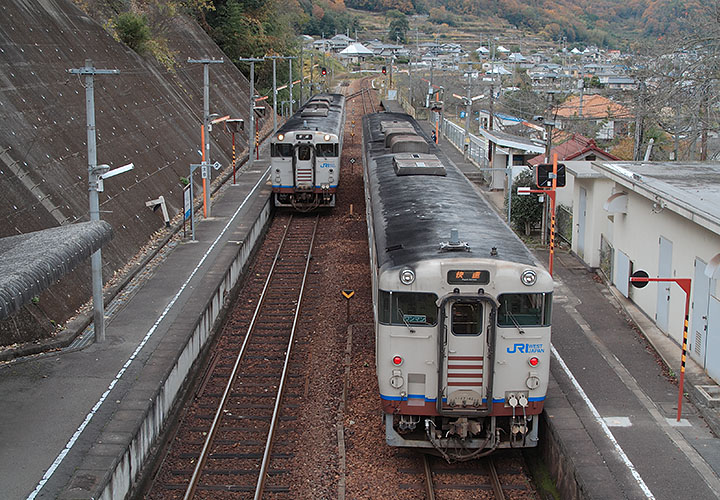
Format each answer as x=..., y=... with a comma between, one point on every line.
x=456, y=135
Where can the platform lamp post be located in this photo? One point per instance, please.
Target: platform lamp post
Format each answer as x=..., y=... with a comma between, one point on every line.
x=640, y=279
x=234, y=125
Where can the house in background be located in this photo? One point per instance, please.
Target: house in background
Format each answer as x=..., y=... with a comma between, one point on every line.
x=613, y=119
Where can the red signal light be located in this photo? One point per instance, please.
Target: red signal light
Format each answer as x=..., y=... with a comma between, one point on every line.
x=323, y=71
x=384, y=70
x=397, y=360
x=534, y=361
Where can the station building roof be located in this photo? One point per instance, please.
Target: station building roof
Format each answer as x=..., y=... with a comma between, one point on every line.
x=692, y=190
x=32, y=262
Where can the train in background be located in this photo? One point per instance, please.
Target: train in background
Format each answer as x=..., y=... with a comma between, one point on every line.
x=305, y=155
x=462, y=309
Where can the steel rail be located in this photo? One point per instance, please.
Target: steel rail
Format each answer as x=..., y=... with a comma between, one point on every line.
x=428, y=479
x=495, y=480
x=281, y=386
x=192, y=486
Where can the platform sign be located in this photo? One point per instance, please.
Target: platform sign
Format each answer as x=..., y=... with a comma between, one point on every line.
x=348, y=293
x=187, y=202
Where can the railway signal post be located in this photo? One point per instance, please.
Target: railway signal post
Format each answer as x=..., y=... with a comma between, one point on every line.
x=640, y=279
x=544, y=177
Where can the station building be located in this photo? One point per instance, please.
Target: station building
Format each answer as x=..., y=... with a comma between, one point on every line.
x=663, y=218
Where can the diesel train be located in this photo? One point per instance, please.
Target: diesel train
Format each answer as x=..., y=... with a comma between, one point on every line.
x=462, y=309
x=305, y=154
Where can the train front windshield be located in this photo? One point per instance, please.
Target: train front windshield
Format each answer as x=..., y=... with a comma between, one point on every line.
x=526, y=309
x=407, y=308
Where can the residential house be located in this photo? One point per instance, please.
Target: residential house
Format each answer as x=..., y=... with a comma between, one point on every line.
x=612, y=118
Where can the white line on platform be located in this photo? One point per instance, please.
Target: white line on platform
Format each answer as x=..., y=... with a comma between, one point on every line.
x=603, y=425
x=144, y=341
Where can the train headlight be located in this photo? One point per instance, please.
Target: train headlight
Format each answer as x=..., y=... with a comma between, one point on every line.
x=528, y=277
x=407, y=276
x=327, y=137
x=281, y=137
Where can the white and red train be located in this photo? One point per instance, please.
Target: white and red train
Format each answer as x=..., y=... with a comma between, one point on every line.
x=305, y=154
x=462, y=308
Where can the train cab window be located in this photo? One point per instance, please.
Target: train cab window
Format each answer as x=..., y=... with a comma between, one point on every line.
x=304, y=153
x=466, y=318
x=280, y=150
x=407, y=308
x=326, y=150
x=525, y=309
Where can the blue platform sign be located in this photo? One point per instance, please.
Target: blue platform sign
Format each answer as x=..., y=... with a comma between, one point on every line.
x=187, y=201
x=462, y=114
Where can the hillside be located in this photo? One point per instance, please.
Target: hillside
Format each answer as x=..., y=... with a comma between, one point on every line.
x=149, y=114
x=599, y=22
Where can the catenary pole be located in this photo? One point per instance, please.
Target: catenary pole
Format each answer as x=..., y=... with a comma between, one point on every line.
x=89, y=71
x=205, y=139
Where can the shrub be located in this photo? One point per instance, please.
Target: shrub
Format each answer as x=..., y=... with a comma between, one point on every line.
x=133, y=30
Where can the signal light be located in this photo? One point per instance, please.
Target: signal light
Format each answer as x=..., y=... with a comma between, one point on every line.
x=397, y=360
x=534, y=361
x=323, y=71
x=543, y=177
x=384, y=70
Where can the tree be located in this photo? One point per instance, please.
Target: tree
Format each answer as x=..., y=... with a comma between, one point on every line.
x=526, y=211
x=398, y=26
x=133, y=30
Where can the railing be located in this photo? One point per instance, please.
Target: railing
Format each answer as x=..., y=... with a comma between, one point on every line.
x=456, y=135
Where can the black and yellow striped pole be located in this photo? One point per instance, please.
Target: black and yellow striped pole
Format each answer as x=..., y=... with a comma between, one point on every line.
x=639, y=279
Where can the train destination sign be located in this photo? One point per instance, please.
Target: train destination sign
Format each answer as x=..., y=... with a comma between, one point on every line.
x=464, y=276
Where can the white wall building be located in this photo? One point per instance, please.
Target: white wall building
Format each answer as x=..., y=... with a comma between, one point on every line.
x=663, y=218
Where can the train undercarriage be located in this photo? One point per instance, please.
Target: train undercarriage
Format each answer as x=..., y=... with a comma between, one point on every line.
x=461, y=438
x=306, y=201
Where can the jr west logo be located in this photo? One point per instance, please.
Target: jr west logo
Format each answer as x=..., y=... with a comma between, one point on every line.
x=525, y=348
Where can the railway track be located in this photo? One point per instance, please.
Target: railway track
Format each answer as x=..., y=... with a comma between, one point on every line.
x=494, y=477
x=226, y=444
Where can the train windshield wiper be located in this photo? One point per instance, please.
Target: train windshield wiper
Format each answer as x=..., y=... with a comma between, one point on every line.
x=517, y=325
x=402, y=316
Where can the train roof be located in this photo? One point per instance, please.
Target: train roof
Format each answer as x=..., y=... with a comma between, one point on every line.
x=414, y=211
x=306, y=117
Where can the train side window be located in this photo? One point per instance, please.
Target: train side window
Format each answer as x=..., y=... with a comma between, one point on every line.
x=327, y=150
x=280, y=150
x=304, y=153
x=525, y=309
x=466, y=318
x=407, y=308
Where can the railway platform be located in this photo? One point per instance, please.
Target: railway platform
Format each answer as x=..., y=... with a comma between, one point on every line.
x=79, y=421
x=610, y=421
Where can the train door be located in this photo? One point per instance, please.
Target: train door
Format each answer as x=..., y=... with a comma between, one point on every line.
x=464, y=356
x=304, y=161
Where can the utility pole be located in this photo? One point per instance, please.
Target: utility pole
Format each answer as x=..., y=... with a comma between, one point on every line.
x=468, y=111
x=302, y=76
x=312, y=67
x=290, y=58
x=89, y=71
x=205, y=131
x=274, y=58
x=251, y=134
